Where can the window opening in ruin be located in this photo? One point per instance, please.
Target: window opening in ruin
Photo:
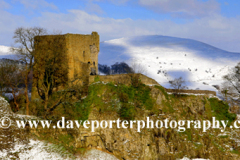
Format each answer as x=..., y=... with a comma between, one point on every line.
x=94, y=63
x=93, y=71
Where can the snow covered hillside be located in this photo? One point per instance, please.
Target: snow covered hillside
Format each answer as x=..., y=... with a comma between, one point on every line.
x=166, y=58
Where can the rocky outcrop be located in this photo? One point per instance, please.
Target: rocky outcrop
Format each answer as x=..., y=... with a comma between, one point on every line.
x=152, y=144
x=106, y=101
x=5, y=109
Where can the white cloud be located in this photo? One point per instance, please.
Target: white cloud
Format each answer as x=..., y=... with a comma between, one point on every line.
x=216, y=30
x=36, y=4
x=177, y=8
x=8, y=23
x=183, y=8
x=113, y=1
x=81, y=22
x=93, y=8
x=4, y=4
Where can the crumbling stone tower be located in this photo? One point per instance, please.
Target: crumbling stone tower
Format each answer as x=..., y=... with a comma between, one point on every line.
x=81, y=51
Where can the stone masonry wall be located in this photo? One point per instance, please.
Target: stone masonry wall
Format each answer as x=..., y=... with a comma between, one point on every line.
x=82, y=49
x=81, y=53
x=79, y=49
x=187, y=91
x=123, y=78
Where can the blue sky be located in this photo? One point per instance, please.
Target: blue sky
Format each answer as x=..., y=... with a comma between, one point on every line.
x=215, y=22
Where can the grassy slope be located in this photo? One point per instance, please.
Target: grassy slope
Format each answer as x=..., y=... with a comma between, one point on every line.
x=131, y=102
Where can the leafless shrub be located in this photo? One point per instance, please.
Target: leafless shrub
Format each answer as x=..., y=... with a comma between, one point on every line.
x=139, y=68
x=24, y=39
x=178, y=84
x=230, y=89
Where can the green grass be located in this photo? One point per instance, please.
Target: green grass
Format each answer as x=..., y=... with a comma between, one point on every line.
x=129, y=102
x=220, y=110
x=161, y=88
x=96, y=79
x=235, y=152
x=104, y=97
x=127, y=111
x=168, y=108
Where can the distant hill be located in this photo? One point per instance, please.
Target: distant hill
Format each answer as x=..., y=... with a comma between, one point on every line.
x=165, y=58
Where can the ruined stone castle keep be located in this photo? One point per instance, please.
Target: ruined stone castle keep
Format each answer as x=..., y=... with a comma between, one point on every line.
x=76, y=55
x=81, y=51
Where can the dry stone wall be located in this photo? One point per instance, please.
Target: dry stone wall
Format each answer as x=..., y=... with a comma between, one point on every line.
x=188, y=91
x=123, y=79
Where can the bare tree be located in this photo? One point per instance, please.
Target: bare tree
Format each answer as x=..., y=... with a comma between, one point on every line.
x=177, y=84
x=12, y=78
x=50, y=70
x=24, y=38
x=231, y=87
x=138, y=68
x=2, y=80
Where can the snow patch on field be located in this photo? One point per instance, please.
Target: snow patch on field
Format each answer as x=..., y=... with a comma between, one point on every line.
x=35, y=150
x=95, y=154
